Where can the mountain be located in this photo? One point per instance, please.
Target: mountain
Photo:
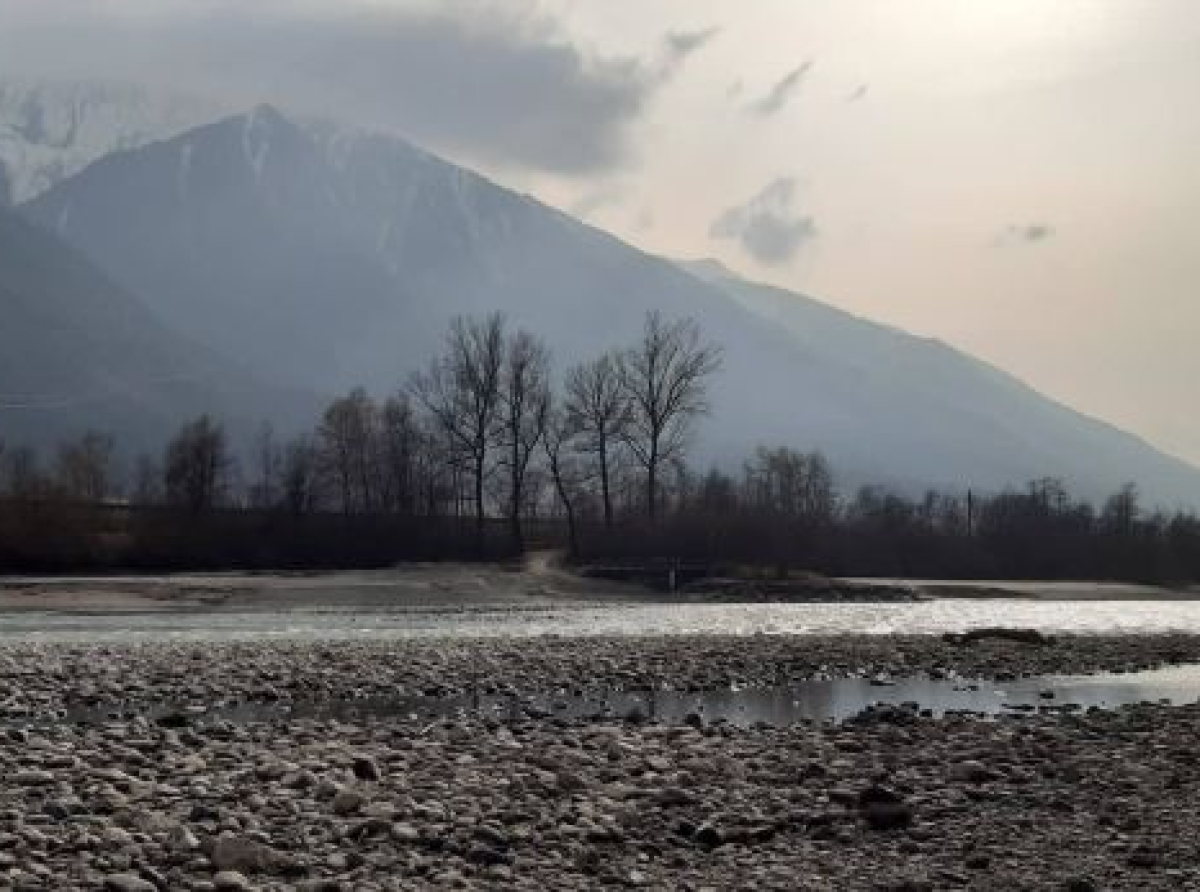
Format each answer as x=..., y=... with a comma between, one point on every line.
x=973, y=408
x=328, y=257
x=78, y=352
x=333, y=258
x=50, y=130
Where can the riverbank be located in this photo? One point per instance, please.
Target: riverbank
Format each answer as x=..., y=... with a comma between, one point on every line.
x=449, y=585
x=538, y=581
x=888, y=801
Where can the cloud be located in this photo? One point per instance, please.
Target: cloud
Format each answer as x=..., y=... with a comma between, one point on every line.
x=1026, y=233
x=676, y=48
x=681, y=44
x=602, y=197
x=781, y=93
x=859, y=92
x=497, y=83
x=766, y=226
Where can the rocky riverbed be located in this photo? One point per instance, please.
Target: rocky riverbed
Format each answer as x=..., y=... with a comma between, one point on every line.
x=40, y=679
x=890, y=800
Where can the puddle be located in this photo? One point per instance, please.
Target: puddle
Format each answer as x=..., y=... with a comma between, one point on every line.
x=814, y=701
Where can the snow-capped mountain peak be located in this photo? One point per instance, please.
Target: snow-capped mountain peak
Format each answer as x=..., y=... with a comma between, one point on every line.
x=52, y=130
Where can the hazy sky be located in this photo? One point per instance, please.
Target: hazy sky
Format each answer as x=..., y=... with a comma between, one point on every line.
x=1020, y=178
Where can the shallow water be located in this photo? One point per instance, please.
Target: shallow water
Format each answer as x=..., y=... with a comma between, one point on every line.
x=927, y=617
x=818, y=701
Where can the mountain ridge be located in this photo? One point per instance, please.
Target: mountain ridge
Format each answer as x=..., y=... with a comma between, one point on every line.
x=347, y=252
x=752, y=295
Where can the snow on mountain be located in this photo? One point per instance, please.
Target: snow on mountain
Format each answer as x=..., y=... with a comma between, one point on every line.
x=51, y=130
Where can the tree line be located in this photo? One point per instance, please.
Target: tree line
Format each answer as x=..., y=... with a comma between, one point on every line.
x=480, y=433
x=486, y=441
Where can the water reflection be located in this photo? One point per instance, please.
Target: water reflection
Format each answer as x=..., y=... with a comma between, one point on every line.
x=814, y=701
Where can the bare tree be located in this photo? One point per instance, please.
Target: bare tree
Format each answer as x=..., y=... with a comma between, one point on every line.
x=597, y=407
x=146, y=481
x=524, y=405
x=198, y=466
x=298, y=475
x=401, y=447
x=566, y=471
x=265, y=491
x=348, y=440
x=663, y=378
x=23, y=477
x=1121, y=510
x=84, y=469
x=793, y=492
x=784, y=483
x=461, y=390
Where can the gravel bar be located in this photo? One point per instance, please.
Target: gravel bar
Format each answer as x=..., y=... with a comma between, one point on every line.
x=887, y=801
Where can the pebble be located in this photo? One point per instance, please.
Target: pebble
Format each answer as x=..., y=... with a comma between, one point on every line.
x=1076, y=801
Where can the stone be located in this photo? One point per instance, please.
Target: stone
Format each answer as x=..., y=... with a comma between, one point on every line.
x=671, y=796
x=127, y=882
x=238, y=853
x=365, y=768
x=406, y=833
x=977, y=861
x=230, y=881
x=708, y=835
x=1143, y=859
x=486, y=855
x=182, y=839
x=883, y=809
x=974, y=772
x=347, y=802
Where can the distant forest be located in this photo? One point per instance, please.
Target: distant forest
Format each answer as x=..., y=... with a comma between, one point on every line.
x=482, y=455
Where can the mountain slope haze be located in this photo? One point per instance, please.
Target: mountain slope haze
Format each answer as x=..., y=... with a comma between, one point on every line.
x=326, y=257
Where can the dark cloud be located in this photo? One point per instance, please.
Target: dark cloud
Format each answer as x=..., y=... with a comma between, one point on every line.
x=498, y=83
x=767, y=226
x=676, y=48
x=782, y=92
x=682, y=44
x=1027, y=233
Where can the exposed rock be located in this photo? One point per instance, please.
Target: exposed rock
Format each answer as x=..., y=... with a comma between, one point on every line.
x=366, y=768
x=230, y=881
x=239, y=853
x=883, y=809
x=347, y=802
x=127, y=882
